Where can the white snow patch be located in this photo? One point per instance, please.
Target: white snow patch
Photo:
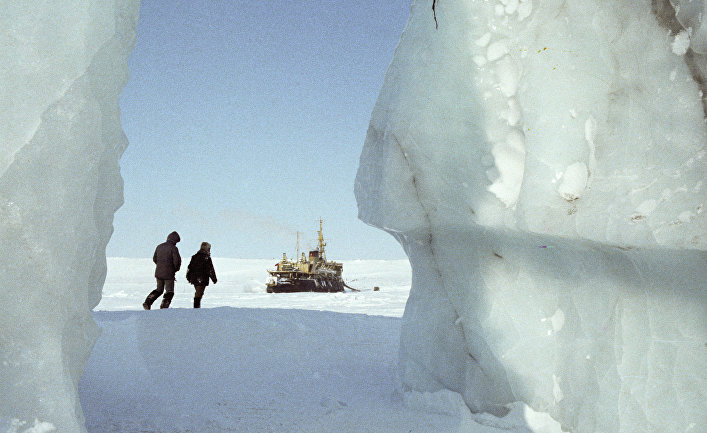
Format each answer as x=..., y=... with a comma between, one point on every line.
x=508, y=76
x=519, y=418
x=574, y=181
x=511, y=7
x=232, y=366
x=681, y=43
x=524, y=9
x=15, y=425
x=539, y=422
x=557, y=320
x=496, y=50
x=509, y=159
x=512, y=114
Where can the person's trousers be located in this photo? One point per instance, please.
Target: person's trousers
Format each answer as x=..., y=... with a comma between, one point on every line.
x=198, y=293
x=163, y=286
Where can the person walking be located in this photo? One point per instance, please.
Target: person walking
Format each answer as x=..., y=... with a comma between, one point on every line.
x=200, y=270
x=167, y=261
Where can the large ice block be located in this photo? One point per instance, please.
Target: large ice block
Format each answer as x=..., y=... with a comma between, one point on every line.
x=63, y=65
x=543, y=166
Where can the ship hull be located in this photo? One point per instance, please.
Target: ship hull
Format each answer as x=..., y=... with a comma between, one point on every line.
x=307, y=285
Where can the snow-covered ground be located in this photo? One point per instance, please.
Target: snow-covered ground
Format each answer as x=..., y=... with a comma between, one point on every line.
x=241, y=283
x=256, y=362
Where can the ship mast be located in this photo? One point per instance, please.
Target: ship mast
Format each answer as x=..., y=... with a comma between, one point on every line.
x=322, y=244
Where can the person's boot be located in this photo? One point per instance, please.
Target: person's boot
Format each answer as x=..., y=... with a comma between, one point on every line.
x=150, y=299
x=167, y=299
x=197, y=302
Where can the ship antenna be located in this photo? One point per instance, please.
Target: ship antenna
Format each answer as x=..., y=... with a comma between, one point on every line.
x=297, y=256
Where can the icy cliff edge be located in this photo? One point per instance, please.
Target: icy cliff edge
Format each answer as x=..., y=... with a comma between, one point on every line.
x=64, y=65
x=543, y=165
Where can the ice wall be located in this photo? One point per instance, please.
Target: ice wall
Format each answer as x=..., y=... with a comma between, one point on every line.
x=543, y=166
x=62, y=67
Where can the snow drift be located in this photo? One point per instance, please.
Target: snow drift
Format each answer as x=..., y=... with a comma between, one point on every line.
x=543, y=166
x=63, y=67
x=296, y=363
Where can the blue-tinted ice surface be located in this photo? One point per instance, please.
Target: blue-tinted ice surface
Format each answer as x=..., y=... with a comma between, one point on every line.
x=63, y=67
x=543, y=166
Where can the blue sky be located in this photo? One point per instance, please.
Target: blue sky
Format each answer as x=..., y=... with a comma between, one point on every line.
x=246, y=122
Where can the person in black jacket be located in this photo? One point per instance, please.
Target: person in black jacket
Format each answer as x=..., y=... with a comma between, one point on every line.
x=167, y=261
x=200, y=269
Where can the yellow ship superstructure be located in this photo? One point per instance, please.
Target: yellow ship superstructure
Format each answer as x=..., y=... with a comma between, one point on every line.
x=307, y=274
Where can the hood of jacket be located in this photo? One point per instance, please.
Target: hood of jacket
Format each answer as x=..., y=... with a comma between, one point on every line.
x=202, y=253
x=173, y=237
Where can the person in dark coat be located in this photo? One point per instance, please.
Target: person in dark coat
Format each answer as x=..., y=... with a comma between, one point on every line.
x=167, y=261
x=199, y=271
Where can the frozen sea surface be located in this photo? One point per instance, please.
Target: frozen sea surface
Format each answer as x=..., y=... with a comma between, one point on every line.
x=256, y=362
